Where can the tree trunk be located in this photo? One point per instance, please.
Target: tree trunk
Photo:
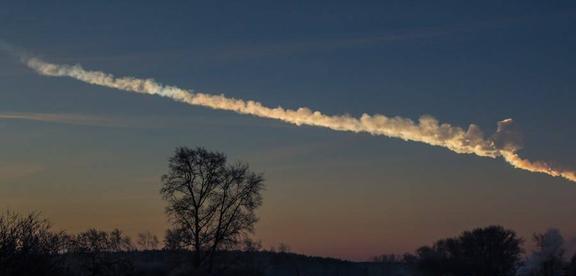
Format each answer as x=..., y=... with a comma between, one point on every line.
x=197, y=258
x=211, y=266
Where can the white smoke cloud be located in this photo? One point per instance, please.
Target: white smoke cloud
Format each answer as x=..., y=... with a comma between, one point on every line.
x=426, y=130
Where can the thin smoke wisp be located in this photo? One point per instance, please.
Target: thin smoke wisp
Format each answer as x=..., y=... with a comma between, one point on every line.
x=426, y=130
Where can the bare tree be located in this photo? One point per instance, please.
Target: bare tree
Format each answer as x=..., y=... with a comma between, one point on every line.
x=283, y=248
x=250, y=245
x=28, y=246
x=211, y=202
x=548, y=258
x=173, y=240
x=99, y=251
x=147, y=241
x=387, y=259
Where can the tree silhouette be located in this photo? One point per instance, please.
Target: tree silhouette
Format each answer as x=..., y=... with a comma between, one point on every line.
x=571, y=267
x=173, y=240
x=439, y=259
x=548, y=257
x=28, y=247
x=211, y=202
x=98, y=251
x=490, y=251
x=147, y=241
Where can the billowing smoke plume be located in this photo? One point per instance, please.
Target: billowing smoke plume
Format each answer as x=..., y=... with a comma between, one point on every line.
x=508, y=140
x=427, y=130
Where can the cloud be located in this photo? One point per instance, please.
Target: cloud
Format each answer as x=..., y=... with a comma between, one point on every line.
x=505, y=143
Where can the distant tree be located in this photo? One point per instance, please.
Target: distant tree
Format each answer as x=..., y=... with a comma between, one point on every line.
x=99, y=251
x=28, y=247
x=283, y=248
x=410, y=259
x=211, y=202
x=173, y=240
x=490, y=251
x=249, y=245
x=551, y=251
x=147, y=241
x=387, y=259
x=570, y=269
x=438, y=259
x=548, y=258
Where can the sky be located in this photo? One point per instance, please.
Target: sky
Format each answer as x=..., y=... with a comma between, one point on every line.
x=89, y=156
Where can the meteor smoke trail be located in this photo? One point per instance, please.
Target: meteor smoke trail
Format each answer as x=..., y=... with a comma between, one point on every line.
x=427, y=130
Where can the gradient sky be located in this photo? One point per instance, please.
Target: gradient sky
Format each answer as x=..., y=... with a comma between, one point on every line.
x=88, y=156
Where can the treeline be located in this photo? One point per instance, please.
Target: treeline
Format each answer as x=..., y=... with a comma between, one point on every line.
x=489, y=251
x=211, y=207
x=28, y=246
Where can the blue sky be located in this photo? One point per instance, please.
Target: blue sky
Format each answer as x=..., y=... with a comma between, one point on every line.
x=349, y=195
